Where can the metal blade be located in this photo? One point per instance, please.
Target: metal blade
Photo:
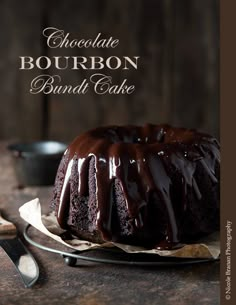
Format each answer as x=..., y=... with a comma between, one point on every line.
x=22, y=259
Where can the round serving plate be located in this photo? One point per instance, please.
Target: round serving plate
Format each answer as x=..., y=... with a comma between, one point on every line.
x=115, y=256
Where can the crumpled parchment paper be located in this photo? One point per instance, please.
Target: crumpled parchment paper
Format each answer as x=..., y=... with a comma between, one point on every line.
x=47, y=224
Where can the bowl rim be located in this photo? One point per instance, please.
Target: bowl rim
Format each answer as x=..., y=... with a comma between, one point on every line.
x=20, y=148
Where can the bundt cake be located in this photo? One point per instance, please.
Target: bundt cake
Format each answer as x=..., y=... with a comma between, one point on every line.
x=153, y=186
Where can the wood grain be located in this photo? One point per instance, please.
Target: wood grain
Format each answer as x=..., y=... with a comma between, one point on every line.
x=176, y=82
x=6, y=227
x=20, y=112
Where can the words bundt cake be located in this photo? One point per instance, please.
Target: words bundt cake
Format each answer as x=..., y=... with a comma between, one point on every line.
x=153, y=186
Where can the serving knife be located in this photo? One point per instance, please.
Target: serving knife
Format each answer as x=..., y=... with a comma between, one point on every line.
x=17, y=252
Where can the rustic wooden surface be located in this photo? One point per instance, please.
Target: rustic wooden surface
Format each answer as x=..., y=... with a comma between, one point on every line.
x=177, y=81
x=94, y=284
x=20, y=113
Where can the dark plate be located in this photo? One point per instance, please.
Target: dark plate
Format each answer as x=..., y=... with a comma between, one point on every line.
x=115, y=256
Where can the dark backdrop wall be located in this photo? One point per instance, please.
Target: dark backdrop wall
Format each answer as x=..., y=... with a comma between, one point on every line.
x=176, y=82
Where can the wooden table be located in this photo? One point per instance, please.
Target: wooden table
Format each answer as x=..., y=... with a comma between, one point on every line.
x=96, y=283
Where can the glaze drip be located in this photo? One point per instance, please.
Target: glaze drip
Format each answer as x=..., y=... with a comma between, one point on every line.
x=144, y=160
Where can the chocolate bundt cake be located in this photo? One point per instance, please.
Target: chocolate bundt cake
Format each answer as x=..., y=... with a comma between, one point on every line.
x=153, y=186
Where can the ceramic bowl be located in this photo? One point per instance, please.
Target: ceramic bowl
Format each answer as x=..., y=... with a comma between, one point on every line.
x=36, y=163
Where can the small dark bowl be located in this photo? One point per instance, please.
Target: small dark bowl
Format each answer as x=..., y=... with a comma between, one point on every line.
x=36, y=163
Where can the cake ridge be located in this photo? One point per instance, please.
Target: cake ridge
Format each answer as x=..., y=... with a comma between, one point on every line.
x=152, y=161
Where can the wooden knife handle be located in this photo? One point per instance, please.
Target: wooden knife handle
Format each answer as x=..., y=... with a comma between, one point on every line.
x=6, y=227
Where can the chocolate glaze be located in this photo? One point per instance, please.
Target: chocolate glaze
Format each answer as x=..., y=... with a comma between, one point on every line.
x=144, y=160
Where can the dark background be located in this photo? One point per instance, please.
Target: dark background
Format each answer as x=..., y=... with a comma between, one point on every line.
x=176, y=82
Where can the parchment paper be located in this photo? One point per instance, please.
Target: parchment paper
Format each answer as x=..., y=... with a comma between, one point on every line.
x=47, y=224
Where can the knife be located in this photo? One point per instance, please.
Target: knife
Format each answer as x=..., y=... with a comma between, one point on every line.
x=17, y=252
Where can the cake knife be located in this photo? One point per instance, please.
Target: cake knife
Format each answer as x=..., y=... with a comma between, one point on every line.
x=17, y=252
